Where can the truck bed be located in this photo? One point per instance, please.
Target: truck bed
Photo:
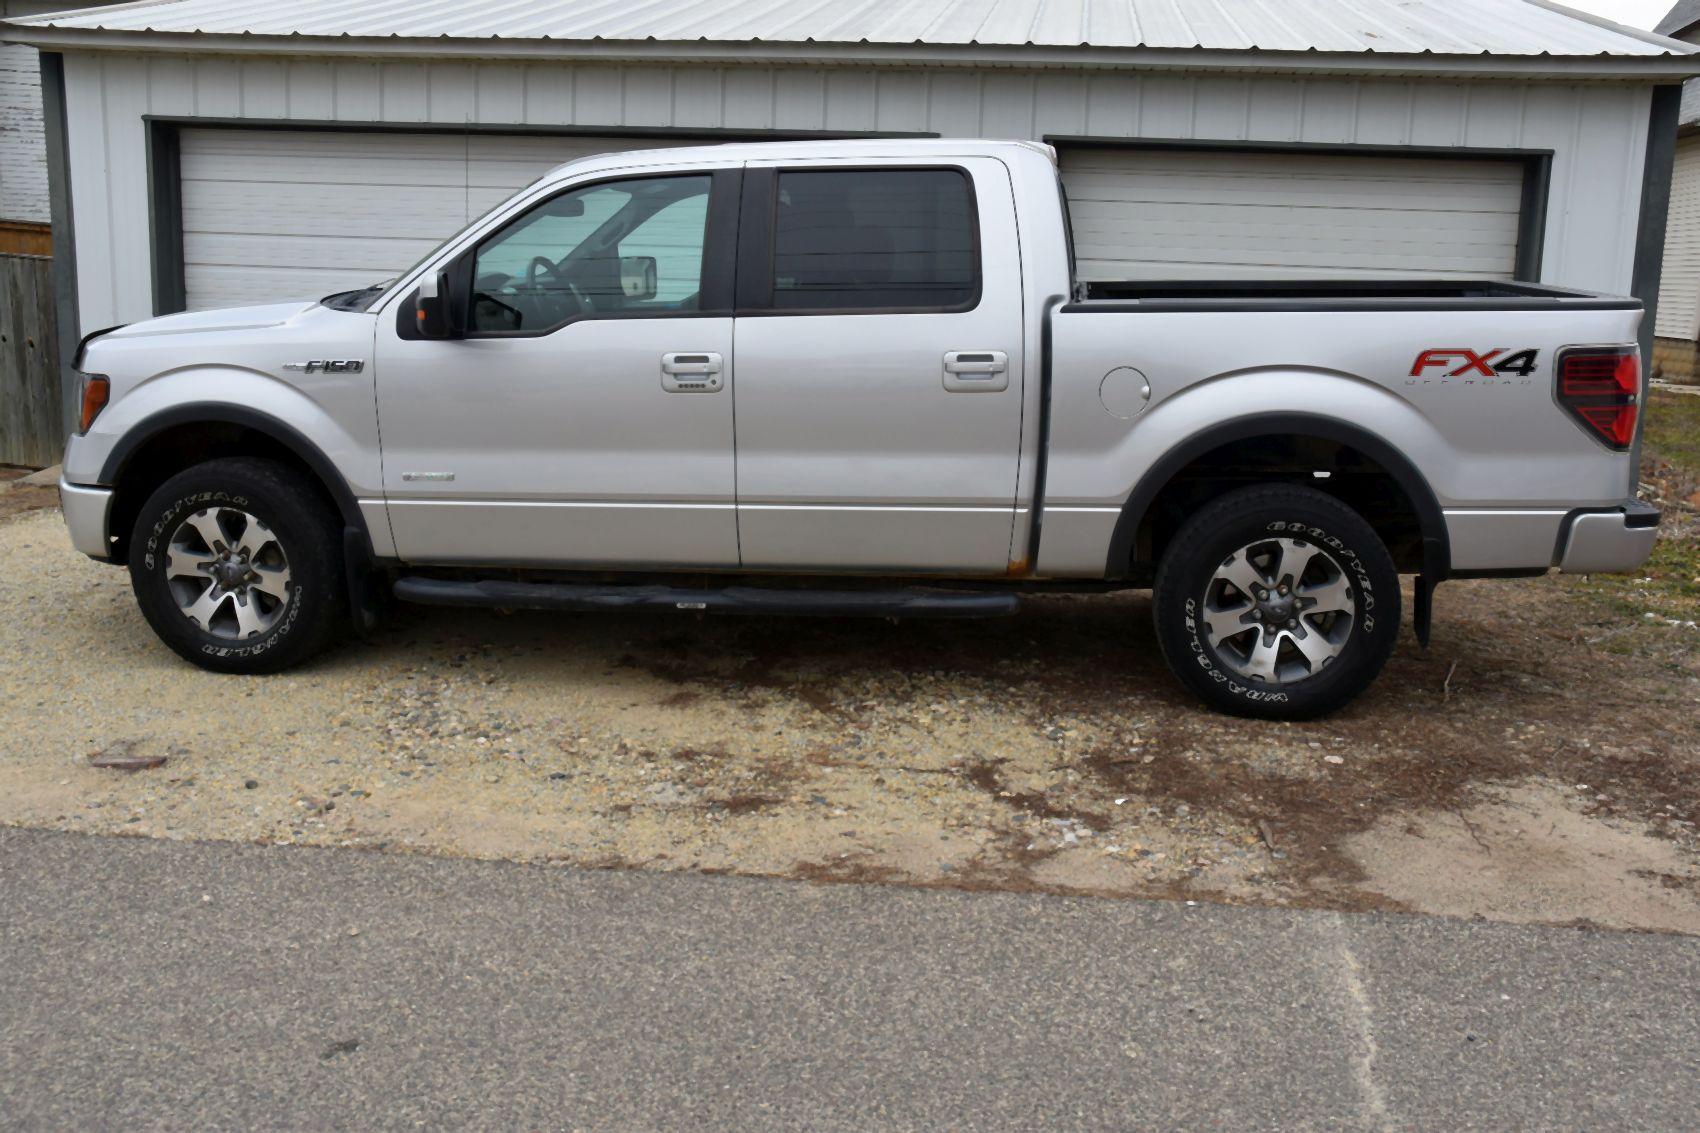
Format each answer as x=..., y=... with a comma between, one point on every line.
x=1336, y=295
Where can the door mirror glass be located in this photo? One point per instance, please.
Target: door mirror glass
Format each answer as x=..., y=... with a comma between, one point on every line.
x=432, y=316
x=637, y=277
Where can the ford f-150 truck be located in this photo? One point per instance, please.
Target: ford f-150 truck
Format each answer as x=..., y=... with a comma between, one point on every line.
x=855, y=377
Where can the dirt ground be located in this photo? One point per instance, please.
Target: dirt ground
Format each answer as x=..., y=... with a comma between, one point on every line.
x=1540, y=763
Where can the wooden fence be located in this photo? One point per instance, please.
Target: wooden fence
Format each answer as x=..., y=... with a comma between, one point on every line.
x=31, y=428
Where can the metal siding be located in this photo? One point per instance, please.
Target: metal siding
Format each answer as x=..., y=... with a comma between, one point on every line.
x=1142, y=214
x=1590, y=232
x=1679, y=286
x=23, y=147
x=23, y=152
x=1404, y=27
x=96, y=195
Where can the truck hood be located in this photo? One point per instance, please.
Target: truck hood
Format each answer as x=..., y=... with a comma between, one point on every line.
x=229, y=318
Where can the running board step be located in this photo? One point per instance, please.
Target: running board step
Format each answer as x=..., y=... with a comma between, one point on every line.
x=905, y=603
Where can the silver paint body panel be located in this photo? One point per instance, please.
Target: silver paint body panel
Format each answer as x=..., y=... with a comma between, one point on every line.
x=834, y=444
x=1500, y=539
x=1602, y=543
x=85, y=511
x=565, y=449
x=852, y=451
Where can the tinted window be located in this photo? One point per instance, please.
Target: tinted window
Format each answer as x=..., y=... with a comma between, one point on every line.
x=883, y=239
x=617, y=249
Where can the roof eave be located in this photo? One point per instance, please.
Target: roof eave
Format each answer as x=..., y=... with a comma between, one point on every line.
x=1644, y=68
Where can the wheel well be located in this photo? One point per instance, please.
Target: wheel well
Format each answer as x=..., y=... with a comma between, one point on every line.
x=182, y=446
x=1352, y=477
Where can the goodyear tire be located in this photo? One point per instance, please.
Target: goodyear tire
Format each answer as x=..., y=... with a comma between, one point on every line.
x=236, y=566
x=1278, y=602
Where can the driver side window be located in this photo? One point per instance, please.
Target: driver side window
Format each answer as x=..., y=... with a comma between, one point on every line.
x=616, y=249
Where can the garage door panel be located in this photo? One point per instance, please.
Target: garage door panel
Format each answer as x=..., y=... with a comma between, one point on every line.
x=298, y=214
x=360, y=146
x=1383, y=223
x=1301, y=258
x=1189, y=162
x=245, y=284
x=334, y=211
x=1312, y=192
x=1171, y=270
x=1196, y=214
x=1291, y=256
x=318, y=211
x=1298, y=264
x=236, y=250
x=448, y=168
x=372, y=172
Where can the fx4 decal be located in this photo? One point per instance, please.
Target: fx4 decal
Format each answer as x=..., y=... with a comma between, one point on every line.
x=1459, y=362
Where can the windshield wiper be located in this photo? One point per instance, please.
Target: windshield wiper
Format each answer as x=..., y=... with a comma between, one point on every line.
x=356, y=300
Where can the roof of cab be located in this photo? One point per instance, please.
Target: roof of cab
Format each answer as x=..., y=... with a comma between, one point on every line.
x=737, y=153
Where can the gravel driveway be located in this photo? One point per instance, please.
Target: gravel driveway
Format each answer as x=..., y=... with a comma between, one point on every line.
x=1540, y=763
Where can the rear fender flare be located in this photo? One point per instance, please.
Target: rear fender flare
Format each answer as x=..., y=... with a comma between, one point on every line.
x=1437, y=552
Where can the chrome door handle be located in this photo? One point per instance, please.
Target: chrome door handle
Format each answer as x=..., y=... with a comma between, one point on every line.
x=690, y=373
x=976, y=371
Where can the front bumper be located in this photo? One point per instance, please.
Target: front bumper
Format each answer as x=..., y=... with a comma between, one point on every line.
x=86, y=512
x=1608, y=540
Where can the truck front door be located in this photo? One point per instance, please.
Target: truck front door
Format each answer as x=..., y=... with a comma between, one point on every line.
x=879, y=347
x=586, y=416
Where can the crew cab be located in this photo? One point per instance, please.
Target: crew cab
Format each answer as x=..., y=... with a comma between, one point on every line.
x=855, y=377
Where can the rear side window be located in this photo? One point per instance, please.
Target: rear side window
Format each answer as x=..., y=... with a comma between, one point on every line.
x=870, y=240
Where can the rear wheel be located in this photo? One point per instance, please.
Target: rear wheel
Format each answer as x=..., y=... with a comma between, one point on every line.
x=1277, y=601
x=236, y=566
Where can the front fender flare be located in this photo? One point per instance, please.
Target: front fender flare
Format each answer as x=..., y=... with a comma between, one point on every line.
x=213, y=412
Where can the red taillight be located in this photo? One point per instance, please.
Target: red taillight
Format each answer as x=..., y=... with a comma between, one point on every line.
x=1600, y=386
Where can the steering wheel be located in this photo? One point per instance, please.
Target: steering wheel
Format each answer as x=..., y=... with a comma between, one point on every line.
x=545, y=264
x=532, y=269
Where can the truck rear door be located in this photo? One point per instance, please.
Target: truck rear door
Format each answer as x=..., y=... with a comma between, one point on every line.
x=879, y=344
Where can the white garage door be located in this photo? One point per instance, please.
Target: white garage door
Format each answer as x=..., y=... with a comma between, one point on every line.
x=1180, y=214
x=277, y=215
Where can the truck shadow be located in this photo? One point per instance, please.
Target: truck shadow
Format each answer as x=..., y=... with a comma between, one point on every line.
x=1069, y=650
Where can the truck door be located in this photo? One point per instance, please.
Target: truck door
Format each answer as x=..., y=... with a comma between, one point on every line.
x=879, y=350
x=586, y=416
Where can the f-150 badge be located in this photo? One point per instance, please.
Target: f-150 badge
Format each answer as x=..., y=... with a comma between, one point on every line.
x=328, y=366
x=1458, y=362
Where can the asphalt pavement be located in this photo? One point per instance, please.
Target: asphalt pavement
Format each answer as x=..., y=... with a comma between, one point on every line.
x=152, y=984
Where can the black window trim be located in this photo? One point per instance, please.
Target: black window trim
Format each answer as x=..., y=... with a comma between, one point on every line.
x=759, y=217
x=720, y=241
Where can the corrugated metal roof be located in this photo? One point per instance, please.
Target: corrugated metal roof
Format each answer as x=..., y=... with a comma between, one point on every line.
x=1362, y=27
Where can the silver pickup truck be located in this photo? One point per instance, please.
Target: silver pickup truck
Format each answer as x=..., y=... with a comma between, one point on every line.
x=854, y=377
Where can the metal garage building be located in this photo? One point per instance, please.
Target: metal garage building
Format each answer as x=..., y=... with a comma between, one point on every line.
x=220, y=152
x=1677, y=355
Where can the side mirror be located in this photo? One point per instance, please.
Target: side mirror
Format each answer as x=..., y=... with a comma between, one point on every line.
x=637, y=277
x=431, y=314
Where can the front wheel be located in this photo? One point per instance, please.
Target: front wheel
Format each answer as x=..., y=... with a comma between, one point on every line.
x=1278, y=602
x=235, y=565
